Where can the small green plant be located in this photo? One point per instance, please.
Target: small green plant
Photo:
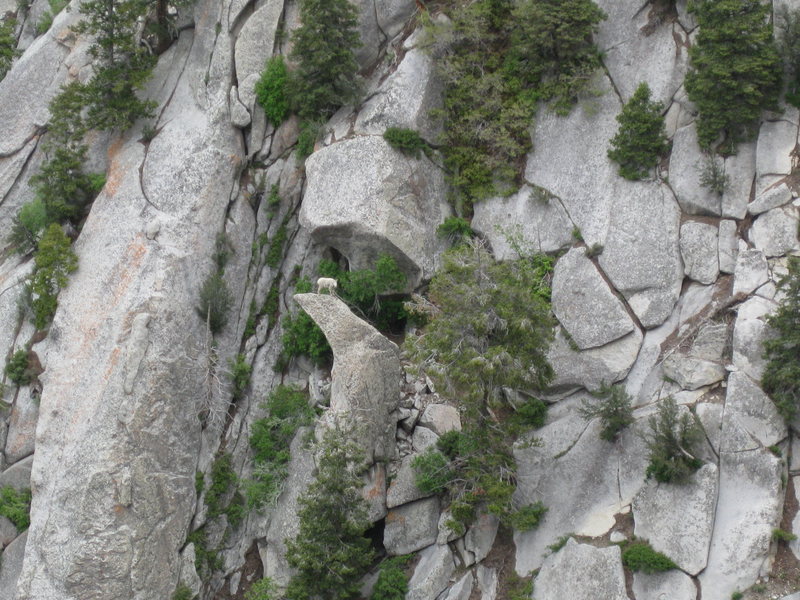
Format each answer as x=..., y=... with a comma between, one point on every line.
x=527, y=517
x=206, y=560
x=271, y=90
x=309, y=131
x=641, y=139
x=54, y=261
x=215, y=302
x=559, y=543
x=594, y=250
x=276, y=244
x=781, y=377
x=16, y=506
x=576, y=234
x=405, y=140
x=28, y=226
x=519, y=588
x=455, y=229
x=779, y=535
x=288, y=410
x=240, y=375
x=433, y=471
x=274, y=198
x=392, y=583
x=263, y=589
x=182, y=592
x=8, y=45
x=614, y=410
x=713, y=176
x=223, y=497
x=17, y=368
x=222, y=251
x=735, y=70
x=776, y=450
x=737, y=595
x=199, y=482
x=640, y=556
x=672, y=443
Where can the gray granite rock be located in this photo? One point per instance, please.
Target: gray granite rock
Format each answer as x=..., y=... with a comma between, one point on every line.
x=740, y=170
x=8, y=532
x=751, y=419
x=440, y=418
x=776, y=231
x=728, y=246
x=700, y=251
x=461, y=589
x=254, y=45
x=581, y=571
x=403, y=488
x=776, y=142
x=700, y=364
x=21, y=436
x=584, y=305
x=423, y=438
x=432, y=573
x=18, y=475
x=487, y=582
x=685, y=168
x=11, y=567
x=383, y=202
x=533, y=214
x=669, y=585
x=750, y=273
x=480, y=536
x=749, y=333
x=677, y=520
x=366, y=374
x=770, y=198
x=411, y=527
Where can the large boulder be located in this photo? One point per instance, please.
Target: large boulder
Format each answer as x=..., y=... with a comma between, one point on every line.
x=677, y=519
x=366, y=374
x=669, y=585
x=535, y=215
x=584, y=305
x=776, y=231
x=379, y=202
x=411, y=527
x=751, y=419
x=749, y=507
x=641, y=255
x=432, y=573
x=750, y=331
x=10, y=567
x=776, y=144
x=686, y=165
x=700, y=364
x=582, y=572
x=254, y=46
x=699, y=250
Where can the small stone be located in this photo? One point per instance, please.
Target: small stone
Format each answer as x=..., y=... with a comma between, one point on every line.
x=441, y=418
x=617, y=537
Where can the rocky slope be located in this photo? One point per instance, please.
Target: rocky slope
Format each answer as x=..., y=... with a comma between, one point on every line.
x=108, y=435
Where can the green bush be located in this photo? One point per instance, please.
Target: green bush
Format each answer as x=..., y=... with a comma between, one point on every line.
x=16, y=507
x=788, y=23
x=779, y=535
x=223, y=497
x=641, y=140
x=271, y=90
x=302, y=336
x=331, y=553
x=433, y=472
x=17, y=368
x=639, y=556
x=182, y=592
x=614, y=410
x=323, y=49
x=455, y=229
x=54, y=261
x=8, y=45
x=276, y=244
x=392, y=583
x=735, y=71
x=672, y=443
x=405, y=140
x=206, y=560
x=240, y=375
x=781, y=377
x=27, y=227
x=288, y=410
x=215, y=302
x=713, y=176
x=527, y=517
x=263, y=589
x=309, y=131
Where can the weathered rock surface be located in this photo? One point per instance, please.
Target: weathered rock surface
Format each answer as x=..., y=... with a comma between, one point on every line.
x=11, y=566
x=403, y=488
x=582, y=572
x=740, y=170
x=584, y=305
x=254, y=46
x=750, y=273
x=480, y=536
x=749, y=333
x=384, y=202
x=776, y=142
x=487, y=582
x=775, y=232
x=748, y=509
x=728, y=246
x=462, y=589
x=537, y=216
x=750, y=419
x=677, y=519
x=366, y=374
x=20, y=439
x=641, y=255
x=405, y=99
x=432, y=573
x=685, y=168
x=699, y=250
x=440, y=418
x=702, y=363
x=671, y=585
x=771, y=198
x=411, y=527
x=18, y=475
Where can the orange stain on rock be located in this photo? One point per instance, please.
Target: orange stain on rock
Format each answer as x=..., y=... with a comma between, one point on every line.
x=116, y=172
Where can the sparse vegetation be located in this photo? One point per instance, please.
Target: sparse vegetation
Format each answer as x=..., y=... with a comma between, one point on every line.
x=613, y=409
x=54, y=261
x=712, y=174
x=301, y=335
x=182, y=592
x=215, y=302
x=641, y=140
x=240, y=375
x=288, y=410
x=781, y=377
x=779, y=535
x=455, y=229
x=223, y=497
x=17, y=368
x=263, y=589
x=672, y=442
x=8, y=45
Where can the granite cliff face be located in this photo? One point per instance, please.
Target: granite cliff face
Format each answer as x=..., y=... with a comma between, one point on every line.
x=108, y=437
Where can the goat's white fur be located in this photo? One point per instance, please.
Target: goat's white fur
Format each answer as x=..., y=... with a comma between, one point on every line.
x=327, y=283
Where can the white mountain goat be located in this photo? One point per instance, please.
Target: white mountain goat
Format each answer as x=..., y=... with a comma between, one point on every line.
x=327, y=283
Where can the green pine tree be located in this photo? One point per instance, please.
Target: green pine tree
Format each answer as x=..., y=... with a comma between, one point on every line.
x=8, y=45
x=641, y=139
x=54, y=261
x=330, y=551
x=323, y=46
x=123, y=65
x=781, y=377
x=735, y=69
